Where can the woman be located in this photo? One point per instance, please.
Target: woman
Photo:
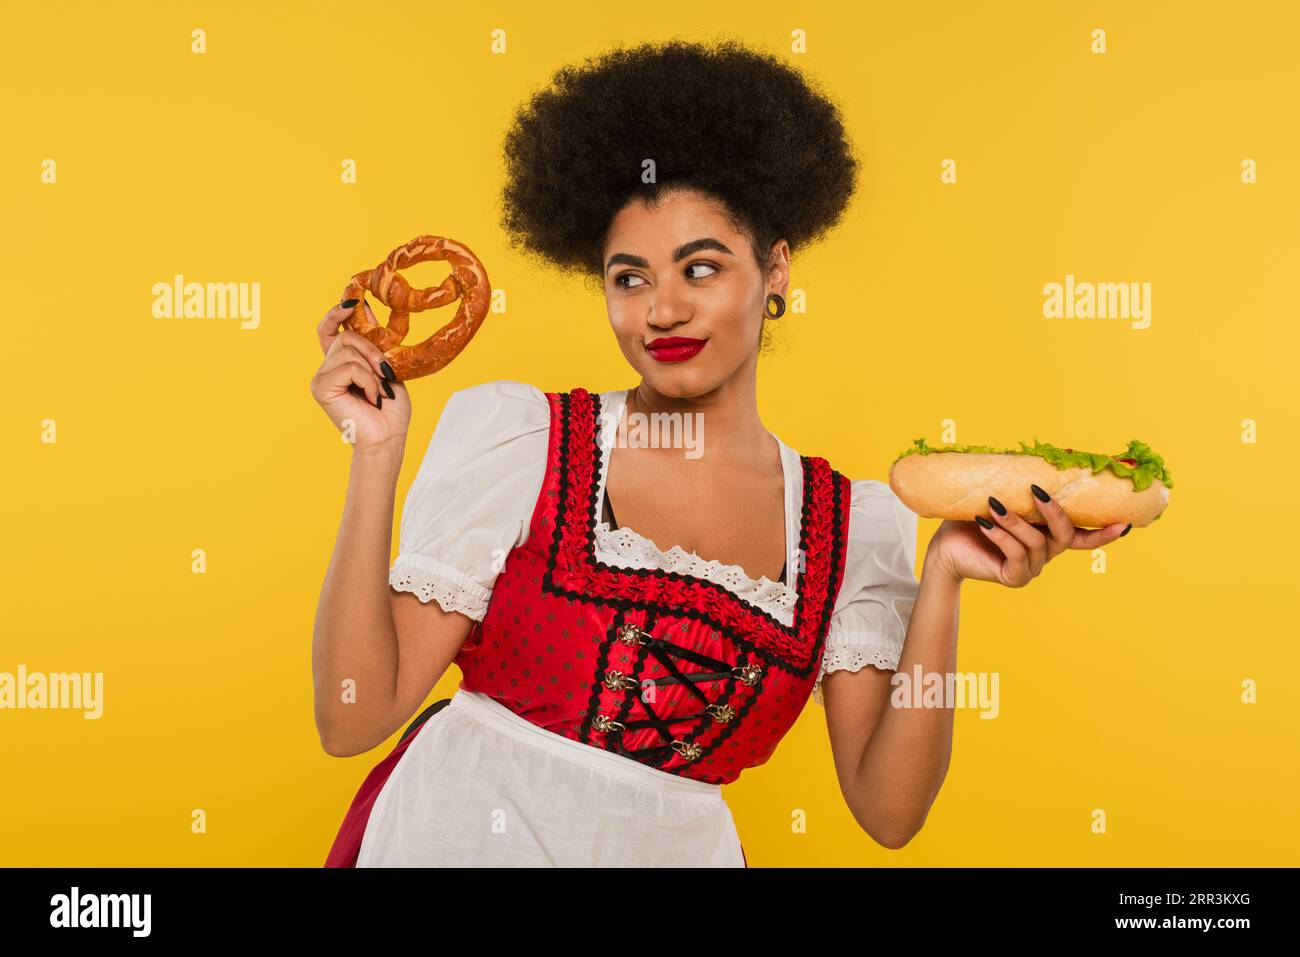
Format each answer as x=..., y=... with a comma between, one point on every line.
x=636, y=624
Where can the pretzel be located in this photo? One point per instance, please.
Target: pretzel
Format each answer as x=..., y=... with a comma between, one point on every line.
x=468, y=282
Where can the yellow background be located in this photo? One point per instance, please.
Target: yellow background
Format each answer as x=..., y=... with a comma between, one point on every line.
x=1119, y=691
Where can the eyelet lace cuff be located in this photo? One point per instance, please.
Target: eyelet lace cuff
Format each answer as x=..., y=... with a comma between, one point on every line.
x=432, y=580
x=628, y=549
x=851, y=650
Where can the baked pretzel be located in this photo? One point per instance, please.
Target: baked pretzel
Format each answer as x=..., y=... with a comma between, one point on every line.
x=468, y=282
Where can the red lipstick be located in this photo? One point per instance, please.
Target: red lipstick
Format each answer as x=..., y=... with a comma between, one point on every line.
x=674, y=348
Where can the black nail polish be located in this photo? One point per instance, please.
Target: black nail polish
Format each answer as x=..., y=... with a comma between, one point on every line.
x=388, y=373
x=349, y=303
x=1040, y=494
x=997, y=506
x=388, y=389
x=983, y=521
x=379, y=402
x=1127, y=530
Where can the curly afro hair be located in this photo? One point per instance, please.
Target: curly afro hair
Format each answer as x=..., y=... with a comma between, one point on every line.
x=733, y=123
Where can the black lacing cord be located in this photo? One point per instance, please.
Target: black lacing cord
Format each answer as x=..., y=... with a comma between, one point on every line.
x=661, y=649
x=653, y=721
x=688, y=681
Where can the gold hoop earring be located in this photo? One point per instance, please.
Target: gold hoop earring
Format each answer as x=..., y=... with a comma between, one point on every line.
x=780, y=306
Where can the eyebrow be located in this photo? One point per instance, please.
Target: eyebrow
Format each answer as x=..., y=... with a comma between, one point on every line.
x=679, y=254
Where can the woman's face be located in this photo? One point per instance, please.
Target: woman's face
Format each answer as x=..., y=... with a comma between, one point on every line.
x=683, y=271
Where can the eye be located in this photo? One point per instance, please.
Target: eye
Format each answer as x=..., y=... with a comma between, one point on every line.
x=706, y=266
x=618, y=280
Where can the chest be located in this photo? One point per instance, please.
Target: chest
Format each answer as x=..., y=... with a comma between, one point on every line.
x=721, y=513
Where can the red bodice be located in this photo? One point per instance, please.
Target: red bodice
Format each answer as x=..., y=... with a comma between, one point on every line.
x=667, y=669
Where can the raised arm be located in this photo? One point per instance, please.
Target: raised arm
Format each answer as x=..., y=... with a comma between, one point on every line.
x=891, y=761
x=376, y=653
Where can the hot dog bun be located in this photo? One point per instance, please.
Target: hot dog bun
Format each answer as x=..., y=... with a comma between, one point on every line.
x=1094, y=490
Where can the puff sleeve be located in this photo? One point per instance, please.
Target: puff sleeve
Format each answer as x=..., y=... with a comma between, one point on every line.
x=878, y=592
x=472, y=500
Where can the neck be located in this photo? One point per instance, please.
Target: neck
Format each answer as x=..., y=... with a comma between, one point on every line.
x=730, y=415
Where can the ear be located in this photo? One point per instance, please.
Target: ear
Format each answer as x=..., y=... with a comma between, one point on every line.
x=778, y=268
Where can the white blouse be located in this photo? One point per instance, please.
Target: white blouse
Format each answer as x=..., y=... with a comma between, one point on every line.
x=481, y=476
x=481, y=786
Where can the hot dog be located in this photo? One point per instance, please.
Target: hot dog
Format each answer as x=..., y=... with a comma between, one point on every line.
x=955, y=482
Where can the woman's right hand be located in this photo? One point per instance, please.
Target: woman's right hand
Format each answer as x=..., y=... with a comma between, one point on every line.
x=351, y=387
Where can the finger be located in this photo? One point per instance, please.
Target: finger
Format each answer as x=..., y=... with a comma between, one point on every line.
x=327, y=330
x=352, y=375
x=1017, y=556
x=1096, y=537
x=381, y=363
x=1035, y=542
x=341, y=353
x=360, y=393
x=1062, y=529
x=370, y=352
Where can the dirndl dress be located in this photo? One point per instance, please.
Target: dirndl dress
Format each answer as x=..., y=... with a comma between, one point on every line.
x=609, y=689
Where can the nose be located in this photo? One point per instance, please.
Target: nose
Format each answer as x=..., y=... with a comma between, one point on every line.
x=668, y=311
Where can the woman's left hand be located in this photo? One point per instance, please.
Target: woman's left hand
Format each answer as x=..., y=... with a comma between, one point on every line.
x=1013, y=551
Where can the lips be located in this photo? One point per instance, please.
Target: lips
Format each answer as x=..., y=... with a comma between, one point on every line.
x=674, y=348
